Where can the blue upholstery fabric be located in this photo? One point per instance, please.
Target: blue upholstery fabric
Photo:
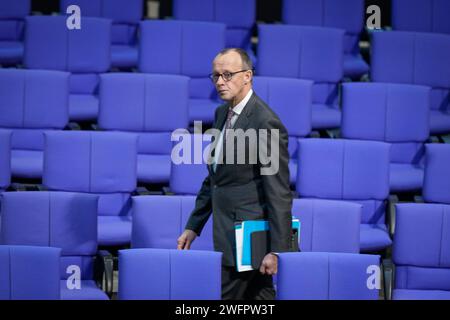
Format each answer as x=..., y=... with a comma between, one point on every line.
x=433, y=15
x=188, y=172
x=348, y=15
x=49, y=44
x=55, y=219
x=325, y=276
x=422, y=258
x=393, y=113
x=158, y=221
x=20, y=281
x=183, y=48
x=339, y=170
x=12, y=15
x=327, y=225
x=125, y=16
x=416, y=58
x=32, y=101
x=436, y=184
x=238, y=15
x=312, y=53
x=146, y=104
x=88, y=291
x=102, y=163
x=161, y=274
x=5, y=159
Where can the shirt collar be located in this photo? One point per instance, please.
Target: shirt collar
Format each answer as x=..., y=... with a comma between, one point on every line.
x=240, y=106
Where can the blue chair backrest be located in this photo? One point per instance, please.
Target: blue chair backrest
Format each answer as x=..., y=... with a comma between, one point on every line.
x=393, y=113
x=161, y=274
x=347, y=15
x=29, y=273
x=63, y=220
x=339, y=169
x=101, y=163
x=31, y=101
x=421, y=246
x=414, y=58
x=328, y=276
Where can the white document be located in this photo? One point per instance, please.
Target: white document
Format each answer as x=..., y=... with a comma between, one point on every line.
x=239, y=231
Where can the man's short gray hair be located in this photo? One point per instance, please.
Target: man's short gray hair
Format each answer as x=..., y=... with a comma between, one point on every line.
x=246, y=61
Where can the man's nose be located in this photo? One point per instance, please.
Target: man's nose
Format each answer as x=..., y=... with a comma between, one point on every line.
x=220, y=81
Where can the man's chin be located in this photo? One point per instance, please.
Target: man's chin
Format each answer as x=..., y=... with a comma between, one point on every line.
x=224, y=97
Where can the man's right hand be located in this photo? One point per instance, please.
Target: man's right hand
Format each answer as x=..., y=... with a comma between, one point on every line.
x=185, y=240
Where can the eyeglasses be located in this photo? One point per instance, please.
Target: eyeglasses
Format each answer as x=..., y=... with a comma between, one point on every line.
x=226, y=76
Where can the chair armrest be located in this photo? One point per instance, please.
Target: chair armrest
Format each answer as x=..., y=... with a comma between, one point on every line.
x=418, y=199
x=166, y=191
x=72, y=126
x=390, y=214
x=104, y=271
x=388, y=277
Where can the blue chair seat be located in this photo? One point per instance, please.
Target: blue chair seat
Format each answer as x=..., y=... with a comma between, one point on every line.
x=114, y=230
x=324, y=116
x=202, y=110
x=354, y=66
x=403, y=294
x=374, y=237
x=439, y=122
x=88, y=291
x=11, y=52
x=405, y=177
x=153, y=168
x=27, y=163
x=83, y=107
x=124, y=56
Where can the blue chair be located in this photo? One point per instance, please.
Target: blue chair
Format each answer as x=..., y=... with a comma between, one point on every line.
x=436, y=184
x=184, y=48
x=238, y=15
x=57, y=219
x=433, y=15
x=311, y=53
x=347, y=15
x=421, y=252
x=279, y=93
x=32, y=101
x=189, y=171
x=394, y=113
x=416, y=58
x=5, y=159
x=151, y=105
x=161, y=274
x=158, y=221
x=85, y=53
x=327, y=276
x=328, y=225
x=12, y=16
x=125, y=16
x=29, y=273
x=100, y=163
x=339, y=169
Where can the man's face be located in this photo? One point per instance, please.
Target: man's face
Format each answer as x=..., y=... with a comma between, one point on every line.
x=234, y=88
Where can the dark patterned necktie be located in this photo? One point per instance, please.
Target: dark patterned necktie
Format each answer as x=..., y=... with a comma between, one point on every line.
x=229, y=116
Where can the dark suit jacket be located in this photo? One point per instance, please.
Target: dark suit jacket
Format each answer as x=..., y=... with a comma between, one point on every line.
x=237, y=192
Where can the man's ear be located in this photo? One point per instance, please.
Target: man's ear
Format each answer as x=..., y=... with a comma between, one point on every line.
x=248, y=76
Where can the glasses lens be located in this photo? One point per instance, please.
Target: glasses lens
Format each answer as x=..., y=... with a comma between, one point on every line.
x=227, y=76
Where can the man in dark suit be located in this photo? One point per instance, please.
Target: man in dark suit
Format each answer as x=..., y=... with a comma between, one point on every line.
x=235, y=191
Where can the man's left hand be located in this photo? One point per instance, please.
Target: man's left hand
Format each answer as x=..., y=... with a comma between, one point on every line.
x=269, y=264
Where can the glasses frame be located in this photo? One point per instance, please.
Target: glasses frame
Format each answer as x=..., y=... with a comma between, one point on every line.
x=231, y=74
